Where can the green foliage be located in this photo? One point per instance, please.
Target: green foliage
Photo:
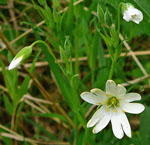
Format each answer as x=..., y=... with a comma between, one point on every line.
x=144, y=127
x=69, y=57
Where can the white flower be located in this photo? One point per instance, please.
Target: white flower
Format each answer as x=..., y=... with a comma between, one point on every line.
x=132, y=14
x=114, y=103
x=20, y=57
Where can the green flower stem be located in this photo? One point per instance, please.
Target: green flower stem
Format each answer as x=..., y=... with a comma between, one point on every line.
x=119, y=7
x=42, y=42
x=45, y=93
x=111, y=70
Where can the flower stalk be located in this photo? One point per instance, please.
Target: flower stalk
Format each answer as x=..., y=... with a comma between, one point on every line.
x=112, y=69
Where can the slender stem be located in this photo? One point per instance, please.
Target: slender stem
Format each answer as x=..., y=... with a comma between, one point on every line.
x=44, y=91
x=119, y=7
x=42, y=42
x=115, y=55
x=111, y=70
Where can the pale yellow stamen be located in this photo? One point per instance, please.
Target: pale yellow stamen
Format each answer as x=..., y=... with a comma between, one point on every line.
x=112, y=102
x=107, y=109
x=134, y=16
x=115, y=110
x=108, y=95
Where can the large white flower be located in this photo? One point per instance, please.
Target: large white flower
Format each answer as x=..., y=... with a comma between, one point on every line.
x=132, y=14
x=113, y=105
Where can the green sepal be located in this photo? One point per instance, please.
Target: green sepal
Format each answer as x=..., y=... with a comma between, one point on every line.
x=24, y=53
x=125, y=6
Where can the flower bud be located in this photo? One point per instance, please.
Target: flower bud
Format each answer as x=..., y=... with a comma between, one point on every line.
x=20, y=57
x=131, y=14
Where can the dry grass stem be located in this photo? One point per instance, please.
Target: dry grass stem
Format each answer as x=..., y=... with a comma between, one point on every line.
x=133, y=55
x=136, y=80
x=44, y=63
x=27, y=96
x=34, y=106
x=34, y=142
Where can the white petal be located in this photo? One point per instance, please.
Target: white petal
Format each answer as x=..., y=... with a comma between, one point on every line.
x=135, y=21
x=125, y=124
x=126, y=16
x=116, y=125
x=91, y=98
x=103, y=121
x=134, y=108
x=111, y=87
x=137, y=16
x=100, y=94
x=120, y=90
x=14, y=63
x=96, y=117
x=131, y=97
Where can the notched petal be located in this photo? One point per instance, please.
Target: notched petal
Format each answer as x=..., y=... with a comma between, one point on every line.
x=116, y=125
x=103, y=122
x=111, y=87
x=120, y=90
x=90, y=98
x=99, y=93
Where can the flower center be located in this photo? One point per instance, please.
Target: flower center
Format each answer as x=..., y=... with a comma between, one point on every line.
x=113, y=102
x=135, y=16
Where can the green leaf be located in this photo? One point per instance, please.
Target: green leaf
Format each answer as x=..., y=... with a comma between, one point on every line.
x=145, y=127
x=42, y=2
x=3, y=2
x=100, y=14
x=63, y=84
x=49, y=115
x=8, y=105
x=40, y=128
x=11, y=80
x=69, y=19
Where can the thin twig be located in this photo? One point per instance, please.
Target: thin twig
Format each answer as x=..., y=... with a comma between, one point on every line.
x=9, y=130
x=136, y=80
x=123, y=54
x=34, y=142
x=3, y=88
x=12, y=13
x=25, y=33
x=29, y=97
x=10, y=48
x=133, y=55
x=34, y=106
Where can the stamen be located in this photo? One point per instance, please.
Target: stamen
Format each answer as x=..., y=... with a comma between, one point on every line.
x=112, y=102
x=134, y=16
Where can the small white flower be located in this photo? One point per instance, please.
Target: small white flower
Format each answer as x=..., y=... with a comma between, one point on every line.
x=132, y=14
x=114, y=103
x=20, y=57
